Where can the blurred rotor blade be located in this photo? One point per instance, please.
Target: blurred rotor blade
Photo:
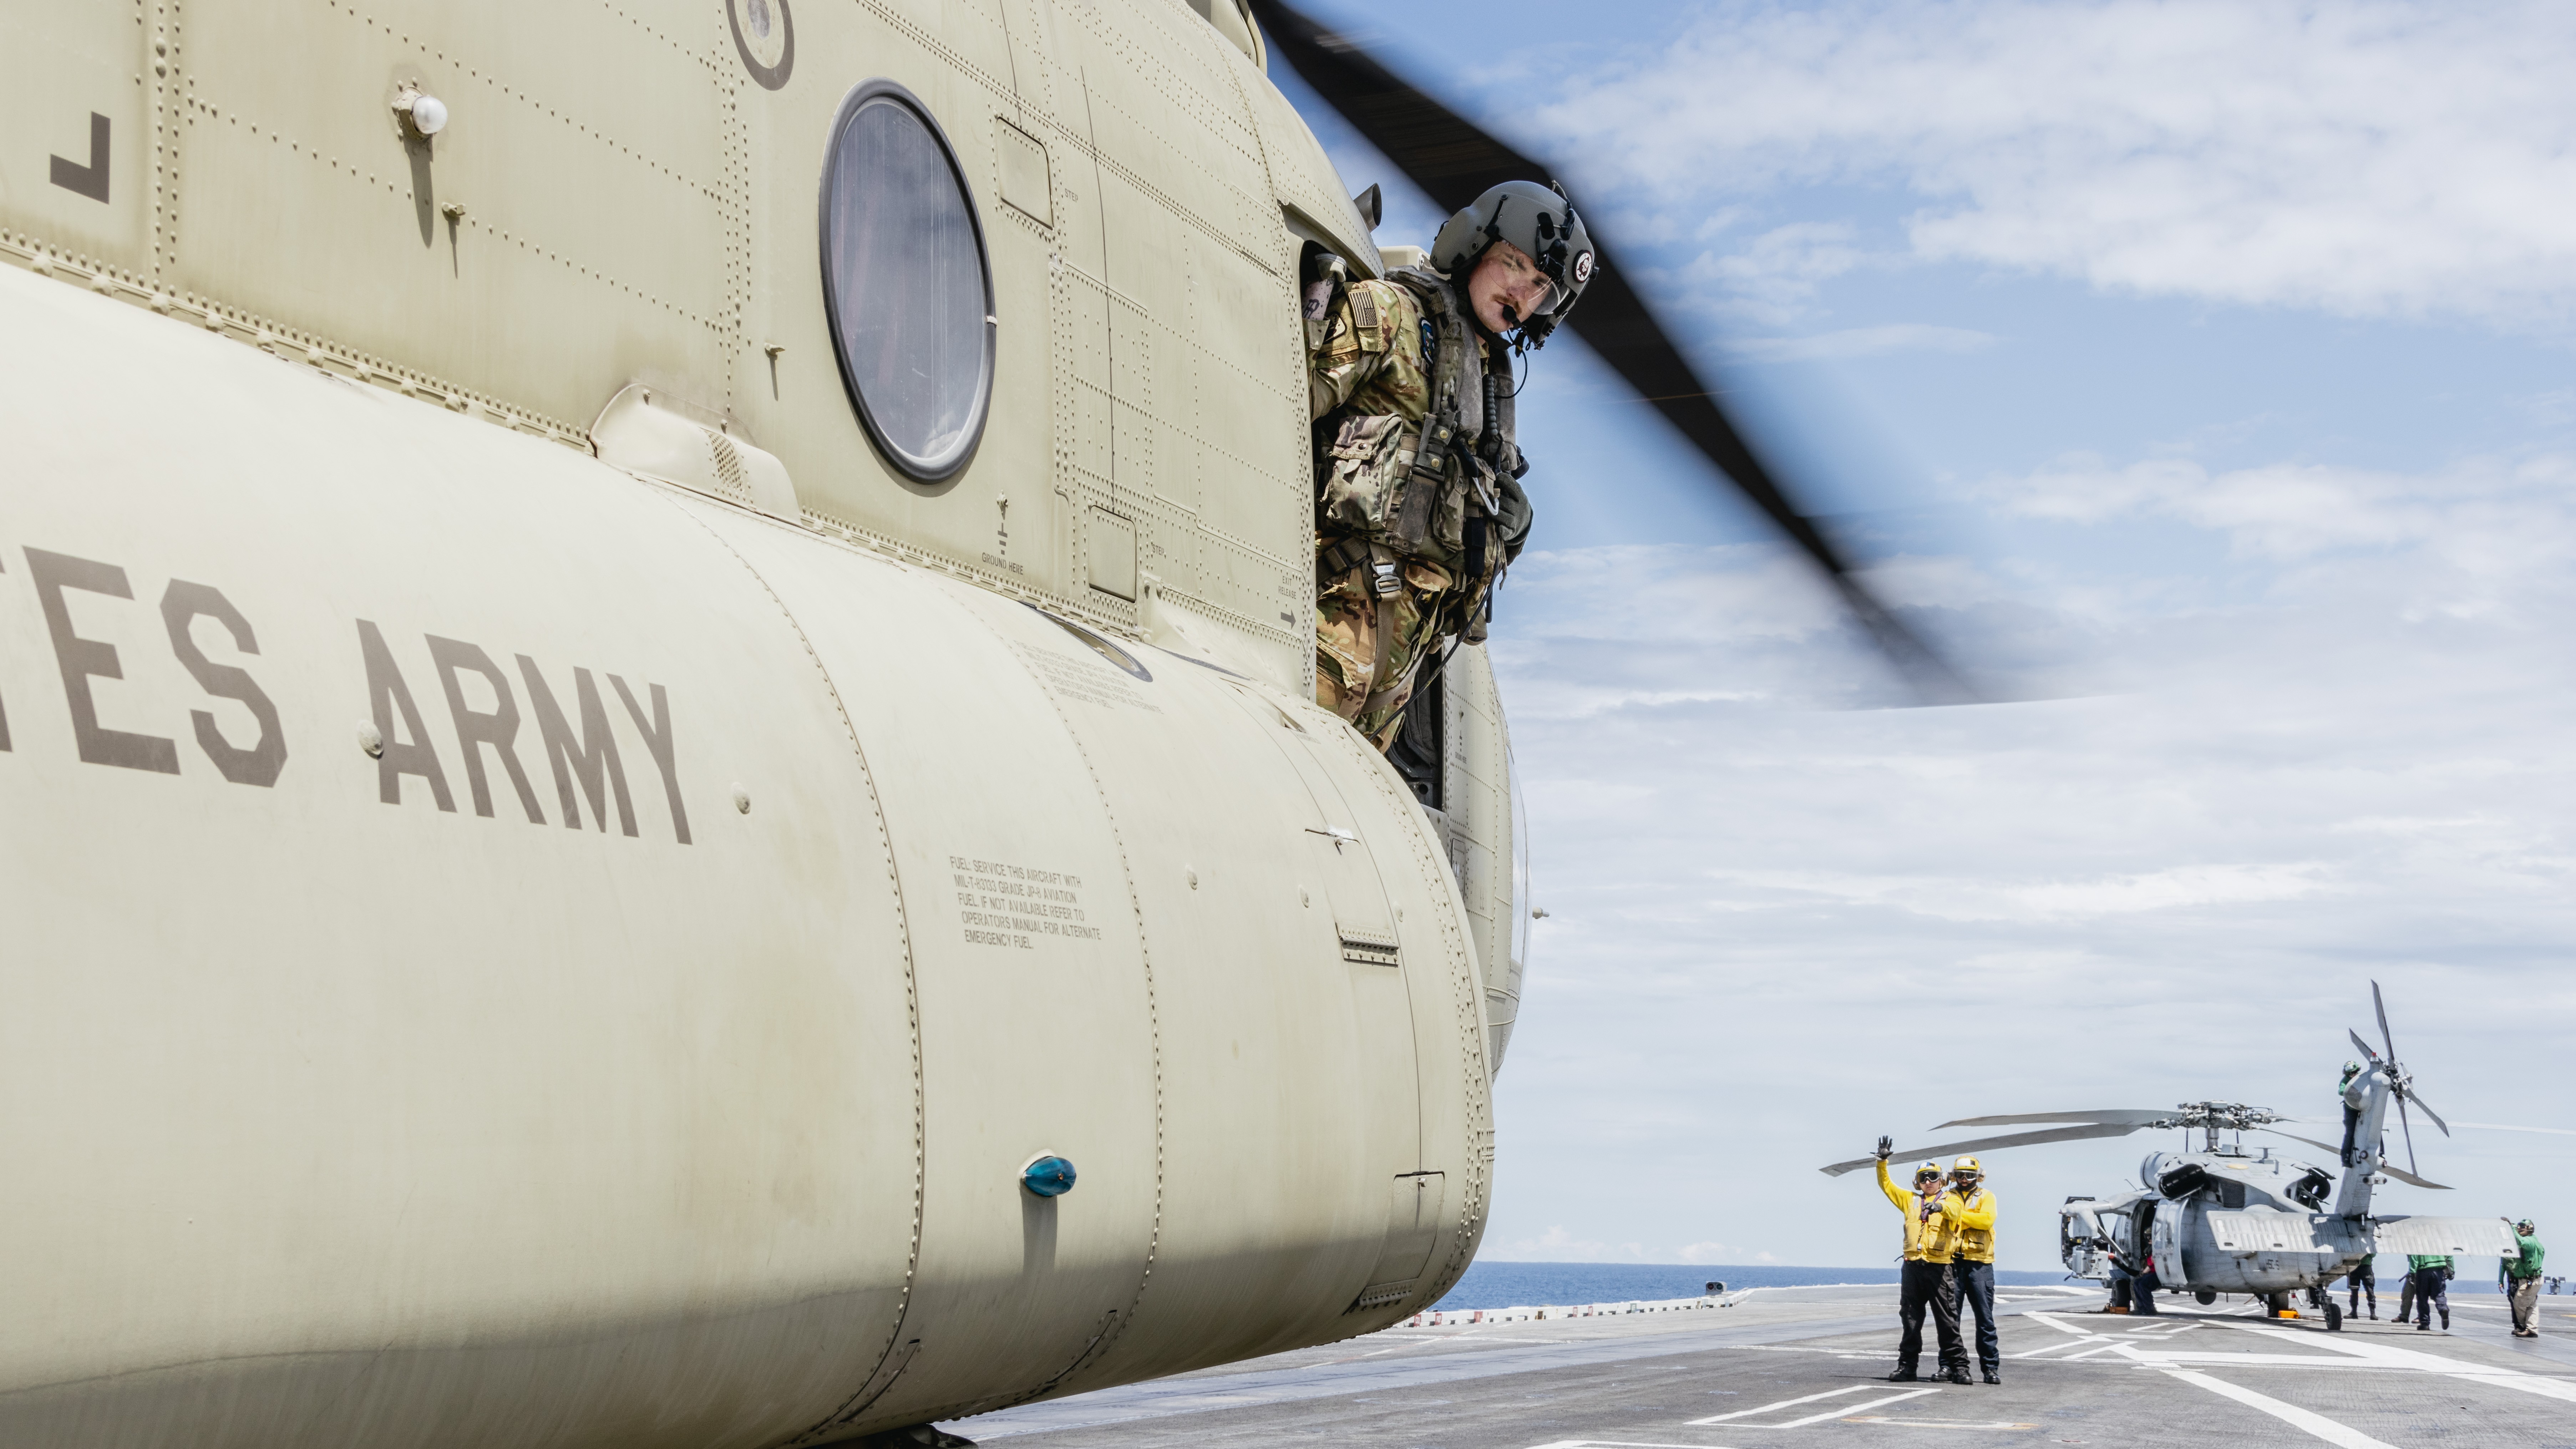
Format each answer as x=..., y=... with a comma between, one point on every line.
x=1455, y=161
x=2365, y=1046
x=2404, y=1126
x=2412, y=1179
x=2378, y=1006
x=2426, y=1108
x=1988, y=1144
x=2312, y=1142
x=2133, y=1116
x=2383, y=1167
x=2505, y=1127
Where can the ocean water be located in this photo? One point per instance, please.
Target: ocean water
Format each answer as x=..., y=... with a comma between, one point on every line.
x=1507, y=1285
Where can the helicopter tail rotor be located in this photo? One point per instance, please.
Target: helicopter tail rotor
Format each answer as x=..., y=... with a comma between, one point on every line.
x=2401, y=1085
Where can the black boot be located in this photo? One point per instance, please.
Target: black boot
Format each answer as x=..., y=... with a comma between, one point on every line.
x=1958, y=1375
x=1904, y=1374
x=1993, y=1378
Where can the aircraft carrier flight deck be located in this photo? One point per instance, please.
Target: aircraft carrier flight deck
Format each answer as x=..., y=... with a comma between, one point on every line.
x=1807, y=1366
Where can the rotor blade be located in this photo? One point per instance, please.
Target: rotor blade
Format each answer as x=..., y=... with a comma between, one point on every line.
x=2377, y=1006
x=2312, y=1142
x=2405, y=1127
x=2506, y=1127
x=2135, y=1117
x=2408, y=1177
x=2426, y=1108
x=1987, y=1144
x=2383, y=1167
x=1455, y=161
x=2365, y=1046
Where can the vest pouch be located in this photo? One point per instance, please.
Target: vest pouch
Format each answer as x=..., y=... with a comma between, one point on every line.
x=1367, y=461
x=1467, y=482
x=1430, y=494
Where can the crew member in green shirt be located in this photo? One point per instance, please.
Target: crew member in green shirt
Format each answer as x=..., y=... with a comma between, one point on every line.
x=2521, y=1279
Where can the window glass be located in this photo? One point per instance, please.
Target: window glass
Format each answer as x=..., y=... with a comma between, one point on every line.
x=904, y=275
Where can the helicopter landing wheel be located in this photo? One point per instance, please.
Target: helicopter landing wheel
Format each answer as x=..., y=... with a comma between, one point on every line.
x=2334, y=1316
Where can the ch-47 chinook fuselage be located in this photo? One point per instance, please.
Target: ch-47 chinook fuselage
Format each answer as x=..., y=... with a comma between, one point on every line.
x=554, y=886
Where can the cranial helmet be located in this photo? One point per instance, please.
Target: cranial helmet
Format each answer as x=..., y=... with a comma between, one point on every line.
x=1537, y=219
x=1929, y=1169
x=2351, y=1070
x=2523, y=1227
x=1968, y=1165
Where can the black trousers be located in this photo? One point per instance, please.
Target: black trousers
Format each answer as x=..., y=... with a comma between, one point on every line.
x=1976, y=1289
x=2432, y=1291
x=1927, y=1285
x=2364, y=1283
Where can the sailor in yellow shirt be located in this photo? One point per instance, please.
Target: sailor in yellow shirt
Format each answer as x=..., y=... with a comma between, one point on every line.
x=1926, y=1279
x=1969, y=1210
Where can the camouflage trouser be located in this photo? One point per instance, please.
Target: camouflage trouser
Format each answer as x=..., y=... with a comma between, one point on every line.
x=1347, y=618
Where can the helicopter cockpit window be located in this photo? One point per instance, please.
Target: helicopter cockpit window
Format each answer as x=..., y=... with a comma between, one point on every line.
x=1228, y=17
x=906, y=281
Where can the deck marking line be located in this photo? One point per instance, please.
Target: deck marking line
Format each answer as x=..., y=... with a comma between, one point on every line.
x=1619, y=1444
x=1783, y=1404
x=1936, y=1423
x=2319, y=1425
x=1839, y=1413
x=2390, y=1356
x=2051, y=1320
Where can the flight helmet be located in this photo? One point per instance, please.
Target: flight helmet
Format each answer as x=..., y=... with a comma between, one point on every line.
x=1537, y=219
x=1968, y=1167
x=2351, y=1070
x=1929, y=1169
x=2524, y=1227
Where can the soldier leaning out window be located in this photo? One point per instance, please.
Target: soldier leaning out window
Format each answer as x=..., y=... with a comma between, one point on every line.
x=1418, y=503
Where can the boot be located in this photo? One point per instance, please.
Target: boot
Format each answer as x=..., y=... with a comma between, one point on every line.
x=2446, y=1320
x=1958, y=1375
x=1993, y=1378
x=1904, y=1374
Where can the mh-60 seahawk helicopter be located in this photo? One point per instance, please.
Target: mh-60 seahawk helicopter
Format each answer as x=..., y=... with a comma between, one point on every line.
x=2223, y=1220
x=657, y=732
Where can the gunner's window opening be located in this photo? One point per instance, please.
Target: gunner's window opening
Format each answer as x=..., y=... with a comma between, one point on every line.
x=1422, y=744
x=1231, y=22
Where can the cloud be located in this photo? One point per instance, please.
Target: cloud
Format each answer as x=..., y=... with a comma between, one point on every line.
x=1556, y=1245
x=1862, y=342
x=1723, y=1253
x=2361, y=158
x=1779, y=927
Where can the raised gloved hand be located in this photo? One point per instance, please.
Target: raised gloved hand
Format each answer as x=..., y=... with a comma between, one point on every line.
x=1886, y=1148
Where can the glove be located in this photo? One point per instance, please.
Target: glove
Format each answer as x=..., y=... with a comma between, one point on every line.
x=1886, y=1148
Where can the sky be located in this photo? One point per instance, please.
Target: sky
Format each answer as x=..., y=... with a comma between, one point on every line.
x=2204, y=377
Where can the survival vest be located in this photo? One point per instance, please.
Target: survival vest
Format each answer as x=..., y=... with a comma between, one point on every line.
x=1444, y=488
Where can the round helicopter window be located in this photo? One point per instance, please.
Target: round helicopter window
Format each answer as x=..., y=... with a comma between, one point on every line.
x=905, y=280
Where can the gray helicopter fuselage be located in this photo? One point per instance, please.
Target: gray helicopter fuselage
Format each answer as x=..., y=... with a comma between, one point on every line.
x=2230, y=1189
x=2223, y=1221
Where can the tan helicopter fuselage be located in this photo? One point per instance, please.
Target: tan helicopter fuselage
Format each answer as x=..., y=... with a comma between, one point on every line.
x=552, y=893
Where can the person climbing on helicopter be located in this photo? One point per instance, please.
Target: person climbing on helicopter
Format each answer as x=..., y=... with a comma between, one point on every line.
x=1418, y=501
x=2350, y=1090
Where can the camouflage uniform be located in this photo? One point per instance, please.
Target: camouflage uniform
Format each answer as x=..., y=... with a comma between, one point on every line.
x=1370, y=394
